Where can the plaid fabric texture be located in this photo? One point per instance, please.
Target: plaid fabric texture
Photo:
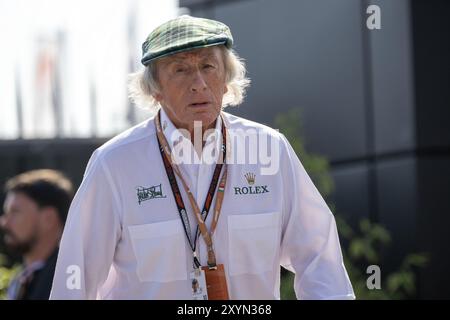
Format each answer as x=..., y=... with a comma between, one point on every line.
x=182, y=34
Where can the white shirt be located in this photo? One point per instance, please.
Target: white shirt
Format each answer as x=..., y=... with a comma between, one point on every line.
x=122, y=244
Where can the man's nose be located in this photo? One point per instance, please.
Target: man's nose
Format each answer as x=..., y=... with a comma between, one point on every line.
x=198, y=83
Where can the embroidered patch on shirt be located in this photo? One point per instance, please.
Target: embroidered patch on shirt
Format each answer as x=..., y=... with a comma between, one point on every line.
x=153, y=192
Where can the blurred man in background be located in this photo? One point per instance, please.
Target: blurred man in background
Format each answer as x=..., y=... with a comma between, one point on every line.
x=34, y=213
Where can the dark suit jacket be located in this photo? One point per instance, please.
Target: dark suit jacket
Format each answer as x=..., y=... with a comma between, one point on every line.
x=41, y=284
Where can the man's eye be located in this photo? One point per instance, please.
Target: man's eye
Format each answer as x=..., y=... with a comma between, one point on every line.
x=208, y=66
x=180, y=70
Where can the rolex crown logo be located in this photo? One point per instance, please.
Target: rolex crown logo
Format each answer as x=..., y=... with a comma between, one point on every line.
x=251, y=189
x=250, y=178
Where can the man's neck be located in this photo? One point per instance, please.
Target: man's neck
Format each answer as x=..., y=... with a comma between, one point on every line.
x=199, y=143
x=207, y=129
x=195, y=132
x=40, y=251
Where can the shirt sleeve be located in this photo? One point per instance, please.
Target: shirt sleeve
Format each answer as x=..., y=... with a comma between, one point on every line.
x=90, y=236
x=310, y=244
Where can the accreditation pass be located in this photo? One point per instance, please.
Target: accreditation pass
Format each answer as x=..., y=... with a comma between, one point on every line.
x=198, y=282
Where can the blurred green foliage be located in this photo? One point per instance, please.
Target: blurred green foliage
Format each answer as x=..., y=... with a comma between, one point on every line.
x=317, y=166
x=364, y=246
x=6, y=274
x=364, y=249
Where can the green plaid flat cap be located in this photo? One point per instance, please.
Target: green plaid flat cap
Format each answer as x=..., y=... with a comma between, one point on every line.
x=182, y=34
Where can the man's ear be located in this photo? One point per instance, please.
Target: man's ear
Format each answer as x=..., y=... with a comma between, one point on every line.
x=226, y=89
x=158, y=97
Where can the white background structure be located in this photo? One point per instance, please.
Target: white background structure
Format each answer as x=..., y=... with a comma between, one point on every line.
x=64, y=64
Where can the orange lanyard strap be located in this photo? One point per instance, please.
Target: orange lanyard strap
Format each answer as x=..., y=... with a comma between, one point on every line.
x=170, y=168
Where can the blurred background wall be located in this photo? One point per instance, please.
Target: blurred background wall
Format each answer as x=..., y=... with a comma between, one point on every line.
x=376, y=103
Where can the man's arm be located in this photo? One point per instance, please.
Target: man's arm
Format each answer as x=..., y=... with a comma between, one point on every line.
x=310, y=243
x=90, y=236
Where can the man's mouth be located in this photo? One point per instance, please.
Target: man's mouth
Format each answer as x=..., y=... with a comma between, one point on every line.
x=199, y=104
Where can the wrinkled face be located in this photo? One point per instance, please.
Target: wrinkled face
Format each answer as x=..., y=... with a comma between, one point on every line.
x=192, y=85
x=20, y=222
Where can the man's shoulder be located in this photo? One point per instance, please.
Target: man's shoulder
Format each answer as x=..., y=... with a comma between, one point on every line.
x=40, y=286
x=122, y=143
x=239, y=124
x=244, y=129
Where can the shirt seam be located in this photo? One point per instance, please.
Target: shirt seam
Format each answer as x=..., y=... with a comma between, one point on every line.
x=114, y=190
x=106, y=149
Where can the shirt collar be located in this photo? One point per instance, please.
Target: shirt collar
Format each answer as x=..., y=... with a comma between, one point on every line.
x=172, y=134
x=175, y=136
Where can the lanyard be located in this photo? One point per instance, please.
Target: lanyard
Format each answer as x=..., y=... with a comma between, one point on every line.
x=170, y=168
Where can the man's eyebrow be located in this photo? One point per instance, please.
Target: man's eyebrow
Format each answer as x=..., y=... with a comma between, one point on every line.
x=171, y=61
x=209, y=55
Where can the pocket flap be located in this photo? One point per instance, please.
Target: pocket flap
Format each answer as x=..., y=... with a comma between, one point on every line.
x=252, y=221
x=159, y=229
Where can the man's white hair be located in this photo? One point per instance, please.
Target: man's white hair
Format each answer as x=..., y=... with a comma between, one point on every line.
x=143, y=85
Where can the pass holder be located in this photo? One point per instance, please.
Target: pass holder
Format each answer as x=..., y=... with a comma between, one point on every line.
x=198, y=284
x=216, y=282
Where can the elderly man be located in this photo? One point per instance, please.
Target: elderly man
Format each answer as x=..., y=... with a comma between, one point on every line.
x=35, y=210
x=173, y=209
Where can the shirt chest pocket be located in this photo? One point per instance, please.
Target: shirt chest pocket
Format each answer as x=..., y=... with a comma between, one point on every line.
x=253, y=242
x=160, y=251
